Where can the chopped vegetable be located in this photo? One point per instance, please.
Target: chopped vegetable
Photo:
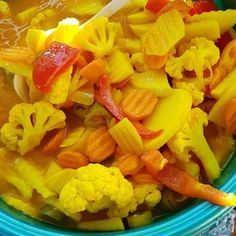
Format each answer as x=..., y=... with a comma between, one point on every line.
x=115, y=62
x=20, y=205
x=155, y=5
x=56, y=181
x=160, y=39
x=54, y=143
x=139, y=220
x=33, y=176
x=99, y=36
x=105, y=93
x=162, y=117
x=52, y=63
x=72, y=159
x=186, y=185
x=229, y=116
x=93, y=71
x=127, y=137
x=28, y=123
x=112, y=224
x=225, y=65
x=194, y=56
x=95, y=187
x=203, y=6
x=51, y=213
x=100, y=145
x=155, y=62
x=139, y=104
x=191, y=138
x=153, y=80
x=226, y=19
x=154, y=161
x=128, y=164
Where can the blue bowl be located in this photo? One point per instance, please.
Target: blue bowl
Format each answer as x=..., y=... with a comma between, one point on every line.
x=191, y=220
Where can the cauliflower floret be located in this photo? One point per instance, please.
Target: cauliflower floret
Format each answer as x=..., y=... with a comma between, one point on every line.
x=197, y=95
x=190, y=138
x=95, y=187
x=28, y=123
x=60, y=88
x=147, y=194
x=197, y=55
x=99, y=36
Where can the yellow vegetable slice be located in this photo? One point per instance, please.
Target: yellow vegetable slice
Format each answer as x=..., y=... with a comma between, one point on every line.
x=33, y=176
x=169, y=115
x=119, y=65
x=154, y=80
x=56, y=181
x=226, y=19
x=140, y=29
x=218, y=91
x=36, y=39
x=87, y=7
x=215, y=114
x=20, y=205
x=164, y=34
x=141, y=17
x=25, y=16
x=52, y=169
x=127, y=137
x=209, y=29
x=129, y=45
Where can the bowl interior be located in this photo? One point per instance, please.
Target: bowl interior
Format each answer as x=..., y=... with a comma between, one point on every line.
x=190, y=220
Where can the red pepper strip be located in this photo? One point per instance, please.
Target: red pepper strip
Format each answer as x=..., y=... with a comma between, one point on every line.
x=51, y=63
x=145, y=133
x=181, y=182
x=201, y=6
x=106, y=98
x=155, y=5
x=224, y=40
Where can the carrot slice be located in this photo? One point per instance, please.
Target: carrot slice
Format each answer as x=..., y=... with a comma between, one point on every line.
x=154, y=161
x=129, y=164
x=139, y=104
x=144, y=178
x=230, y=116
x=55, y=141
x=155, y=62
x=93, y=70
x=72, y=159
x=100, y=145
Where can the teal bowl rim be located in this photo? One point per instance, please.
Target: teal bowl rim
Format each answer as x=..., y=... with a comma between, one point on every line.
x=191, y=220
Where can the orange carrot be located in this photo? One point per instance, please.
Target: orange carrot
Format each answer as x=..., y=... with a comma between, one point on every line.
x=100, y=145
x=93, y=70
x=230, y=116
x=155, y=62
x=225, y=65
x=128, y=164
x=154, y=161
x=55, y=141
x=87, y=55
x=122, y=83
x=81, y=61
x=139, y=104
x=144, y=178
x=72, y=159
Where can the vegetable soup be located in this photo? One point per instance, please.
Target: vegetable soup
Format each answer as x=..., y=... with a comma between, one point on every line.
x=109, y=123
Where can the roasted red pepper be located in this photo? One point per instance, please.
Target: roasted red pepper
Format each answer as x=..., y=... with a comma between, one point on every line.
x=106, y=98
x=155, y=5
x=51, y=63
x=224, y=40
x=144, y=132
x=181, y=182
x=201, y=6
